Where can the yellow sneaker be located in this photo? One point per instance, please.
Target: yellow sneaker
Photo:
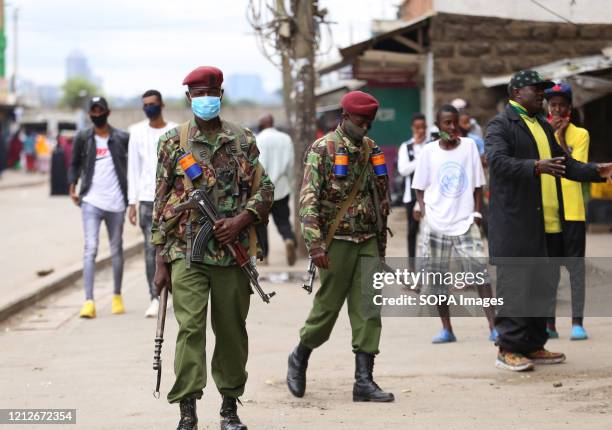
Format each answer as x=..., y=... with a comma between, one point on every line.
x=88, y=310
x=513, y=361
x=117, y=305
x=543, y=356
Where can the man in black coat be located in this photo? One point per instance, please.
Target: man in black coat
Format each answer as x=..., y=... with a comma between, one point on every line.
x=526, y=219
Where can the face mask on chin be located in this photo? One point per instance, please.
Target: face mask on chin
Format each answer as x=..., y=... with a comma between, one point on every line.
x=100, y=120
x=354, y=131
x=449, y=137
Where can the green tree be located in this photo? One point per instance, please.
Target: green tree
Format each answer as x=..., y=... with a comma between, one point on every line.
x=77, y=91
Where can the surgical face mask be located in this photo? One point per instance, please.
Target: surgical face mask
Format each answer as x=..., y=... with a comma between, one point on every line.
x=100, y=120
x=206, y=107
x=354, y=131
x=152, y=111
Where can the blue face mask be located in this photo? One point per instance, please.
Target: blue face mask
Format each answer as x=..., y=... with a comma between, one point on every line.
x=152, y=111
x=206, y=107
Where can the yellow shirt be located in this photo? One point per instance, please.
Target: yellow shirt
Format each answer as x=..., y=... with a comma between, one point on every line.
x=601, y=190
x=577, y=140
x=550, y=200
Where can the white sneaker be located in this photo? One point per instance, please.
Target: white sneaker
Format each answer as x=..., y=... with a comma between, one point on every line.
x=152, y=309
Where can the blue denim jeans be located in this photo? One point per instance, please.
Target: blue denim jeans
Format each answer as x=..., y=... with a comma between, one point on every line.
x=92, y=218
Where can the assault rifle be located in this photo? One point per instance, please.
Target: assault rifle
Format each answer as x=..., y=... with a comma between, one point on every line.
x=312, y=272
x=159, y=337
x=208, y=216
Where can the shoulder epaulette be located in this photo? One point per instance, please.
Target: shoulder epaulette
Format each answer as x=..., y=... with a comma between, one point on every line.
x=170, y=134
x=241, y=134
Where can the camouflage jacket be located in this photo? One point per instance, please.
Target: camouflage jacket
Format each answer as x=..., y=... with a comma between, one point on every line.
x=228, y=171
x=322, y=194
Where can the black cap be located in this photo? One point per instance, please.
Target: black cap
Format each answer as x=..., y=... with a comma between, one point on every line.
x=98, y=101
x=525, y=78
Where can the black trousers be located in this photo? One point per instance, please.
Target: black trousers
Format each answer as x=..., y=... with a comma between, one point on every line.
x=413, y=228
x=280, y=213
x=527, y=289
x=574, y=247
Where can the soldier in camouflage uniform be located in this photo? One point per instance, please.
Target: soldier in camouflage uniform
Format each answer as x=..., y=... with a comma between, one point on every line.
x=343, y=276
x=228, y=156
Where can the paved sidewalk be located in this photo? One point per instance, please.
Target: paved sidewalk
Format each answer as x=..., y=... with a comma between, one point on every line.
x=20, y=179
x=42, y=233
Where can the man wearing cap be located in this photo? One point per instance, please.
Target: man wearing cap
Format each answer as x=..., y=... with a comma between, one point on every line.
x=324, y=190
x=99, y=161
x=527, y=218
x=228, y=159
x=575, y=142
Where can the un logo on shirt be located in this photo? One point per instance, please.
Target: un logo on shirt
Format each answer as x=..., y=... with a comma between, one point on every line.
x=452, y=179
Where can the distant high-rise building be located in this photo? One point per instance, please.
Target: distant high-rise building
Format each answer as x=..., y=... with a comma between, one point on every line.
x=245, y=87
x=49, y=95
x=77, y=66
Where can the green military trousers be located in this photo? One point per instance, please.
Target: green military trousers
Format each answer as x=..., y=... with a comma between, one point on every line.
x=227, y=290
x=345, y=280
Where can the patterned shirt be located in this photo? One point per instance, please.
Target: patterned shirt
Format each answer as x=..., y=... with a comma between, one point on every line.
x=322, y=193
x=228, y=160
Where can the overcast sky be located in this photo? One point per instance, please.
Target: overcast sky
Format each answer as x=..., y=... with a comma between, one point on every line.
x=132, y=46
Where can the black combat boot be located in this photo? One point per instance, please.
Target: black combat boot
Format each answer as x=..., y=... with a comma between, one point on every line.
x=229, y=412
x=189, y=419
x=365, y=389
x=296, y=373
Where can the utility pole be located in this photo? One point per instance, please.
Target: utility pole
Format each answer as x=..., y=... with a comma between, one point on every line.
x=293, y=36
x=304, y=130
x=284, y=48
x=2, y=42
x=15, y=49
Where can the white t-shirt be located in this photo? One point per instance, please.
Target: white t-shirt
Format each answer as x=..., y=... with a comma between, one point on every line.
x=406, y=167
x=276, y=156
x=142, y=160
x=449, y=178
x=104, y=192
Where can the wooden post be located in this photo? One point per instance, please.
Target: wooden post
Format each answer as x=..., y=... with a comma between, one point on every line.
x=304, y=127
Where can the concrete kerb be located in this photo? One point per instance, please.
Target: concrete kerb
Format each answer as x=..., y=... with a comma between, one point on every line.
x=60, y=280
x=23, y=182
x=42, y=181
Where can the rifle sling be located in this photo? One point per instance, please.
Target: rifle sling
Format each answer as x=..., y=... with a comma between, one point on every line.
x=252, y=233
x=183, y=136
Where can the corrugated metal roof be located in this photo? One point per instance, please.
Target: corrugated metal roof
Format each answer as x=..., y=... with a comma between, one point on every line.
x=351, y=52
x=559, y=70
x=349, y=84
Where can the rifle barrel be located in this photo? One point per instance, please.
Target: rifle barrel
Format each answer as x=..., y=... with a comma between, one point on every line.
x=159, y=338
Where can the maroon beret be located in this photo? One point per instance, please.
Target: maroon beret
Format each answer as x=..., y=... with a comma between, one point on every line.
x=205, y=76
x=360, y=103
